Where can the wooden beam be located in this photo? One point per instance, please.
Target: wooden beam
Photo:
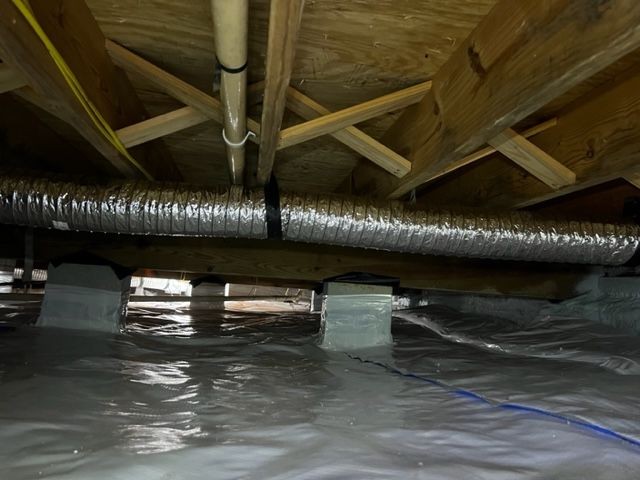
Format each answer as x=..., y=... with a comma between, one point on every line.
x=522, y=55
x=597, y=137
x=27, y=141
x=255, y=93
x=161, y=125
x=10, y=79
x=352, y=137
x=630, y=175
x=284, y=22
x=303, y=263
x=463, y=162
x=332, y=122
x=21, y=48
x=73, y=31
x=633, y=178
x=533, y=159
x=603, y=203
x=486, y=151
x=176, y=120
x=172, y=85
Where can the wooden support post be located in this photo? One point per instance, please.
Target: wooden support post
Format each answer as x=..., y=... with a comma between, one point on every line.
x=284, y=22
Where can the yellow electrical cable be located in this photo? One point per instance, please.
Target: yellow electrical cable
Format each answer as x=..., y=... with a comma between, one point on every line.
x=101, y=124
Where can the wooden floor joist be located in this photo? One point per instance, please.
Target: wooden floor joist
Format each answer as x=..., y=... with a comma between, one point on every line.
x=71, y=28
x=633, y=178
x=478, y=155
x=332, y=122
x=10, y=79
x=486, y=151
x=597, y=137
x=29, y=142
x=504, y=65
x=284, y=22
x=21, y=48
x=631, y=175
x=522, y=55
x=352, y=137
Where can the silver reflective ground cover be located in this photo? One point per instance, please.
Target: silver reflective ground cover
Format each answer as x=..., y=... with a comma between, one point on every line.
x=186, y=394
x=170, y=209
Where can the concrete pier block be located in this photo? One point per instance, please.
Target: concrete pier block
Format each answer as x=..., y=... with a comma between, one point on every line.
x=355, y=316
x=85, y=296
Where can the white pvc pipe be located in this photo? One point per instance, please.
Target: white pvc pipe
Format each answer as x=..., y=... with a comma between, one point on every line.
x=230, y=20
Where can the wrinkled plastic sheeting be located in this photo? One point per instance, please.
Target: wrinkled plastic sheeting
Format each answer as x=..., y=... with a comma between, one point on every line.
x=356, y=321
x=82, y=308
x=267, y=403
x=615, y=302
x=550, y=337
x=617, y=312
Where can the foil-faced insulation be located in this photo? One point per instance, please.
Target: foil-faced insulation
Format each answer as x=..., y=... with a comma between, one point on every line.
x=172, y=209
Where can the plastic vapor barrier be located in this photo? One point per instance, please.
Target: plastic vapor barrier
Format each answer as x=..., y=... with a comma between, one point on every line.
x=198, y=394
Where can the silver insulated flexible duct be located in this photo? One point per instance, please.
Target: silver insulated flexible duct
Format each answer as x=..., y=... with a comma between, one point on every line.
x=143, y=208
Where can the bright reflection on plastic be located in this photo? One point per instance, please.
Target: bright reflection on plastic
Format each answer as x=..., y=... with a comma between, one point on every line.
x=172, y=427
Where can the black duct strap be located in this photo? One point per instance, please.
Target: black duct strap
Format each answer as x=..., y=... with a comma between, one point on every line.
x=233, y=70
x=272, y=203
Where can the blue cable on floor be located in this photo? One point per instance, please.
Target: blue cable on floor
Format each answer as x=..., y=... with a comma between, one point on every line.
x=509, y=406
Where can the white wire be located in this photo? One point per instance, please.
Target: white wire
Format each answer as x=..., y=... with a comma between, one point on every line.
x=239, y=144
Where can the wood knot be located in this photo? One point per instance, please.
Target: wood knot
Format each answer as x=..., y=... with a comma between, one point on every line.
x=475, y=62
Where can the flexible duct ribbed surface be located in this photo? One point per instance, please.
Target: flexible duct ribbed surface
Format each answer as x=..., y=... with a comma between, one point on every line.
x=142, y=208
x=510, y=236
x=134, y=208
